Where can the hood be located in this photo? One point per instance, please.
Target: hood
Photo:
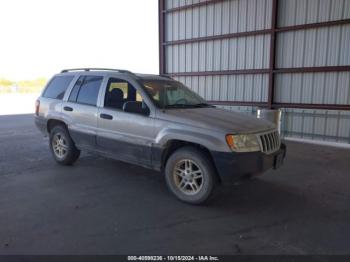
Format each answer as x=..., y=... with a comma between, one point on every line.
x=217, y=119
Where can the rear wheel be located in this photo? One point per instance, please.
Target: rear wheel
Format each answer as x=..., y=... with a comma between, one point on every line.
x=62, y=146
x=190, y=175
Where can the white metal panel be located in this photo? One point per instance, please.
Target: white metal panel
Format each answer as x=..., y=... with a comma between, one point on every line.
x=182, y=25
x=265, y=54
x=229, y=16
x=175, y=26
x=182, y=2
x=248, y=88
x=296, y=12
x=251, y=15
x=195, y=57
x=176, y=3
x=268, y=13
x=332, y=125
x=182, y=57
x=175, y=56
x=314, y=47
x=194, y=84
x=216, y=88
x=169, y=4
x=243, y=15
x=233, y=51
x=202, y=56
x=195, y=23
x=168, y=25
x=209, y=57
x=229, y=88
x=233, y=22
x=201, y=86
x=188, y=57
x=210, y=20
x=225, y=22
x=344, y=125
x=343, y=91
x=217, y=56
x=218, y=18
x=237, y=53
x=314, y=88
x=169, y=59
x=223, y=94
x=344, y=54
x=208, y=87
x=203, y=21
x=224, y=54
x=188, y=23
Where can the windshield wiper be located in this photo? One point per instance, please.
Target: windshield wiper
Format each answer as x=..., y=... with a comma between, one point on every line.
x=203, y=105
x=179, y=106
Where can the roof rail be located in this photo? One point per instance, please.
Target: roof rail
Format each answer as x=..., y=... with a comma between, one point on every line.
x=96, y=69
x=166, y=76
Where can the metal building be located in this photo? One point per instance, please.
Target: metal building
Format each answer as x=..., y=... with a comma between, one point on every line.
x=244, y=54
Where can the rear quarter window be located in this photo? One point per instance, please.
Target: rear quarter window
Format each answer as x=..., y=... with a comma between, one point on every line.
x=57, y=87
x=86, y=89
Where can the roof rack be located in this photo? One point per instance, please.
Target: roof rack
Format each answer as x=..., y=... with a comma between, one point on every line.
x=96, y=69
x=166, y=76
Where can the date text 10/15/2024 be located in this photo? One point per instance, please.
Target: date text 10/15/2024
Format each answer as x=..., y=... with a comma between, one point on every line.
x=173, y=258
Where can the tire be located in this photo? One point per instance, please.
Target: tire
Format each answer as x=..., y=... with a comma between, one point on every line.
x=62, y=146
x=185, y=184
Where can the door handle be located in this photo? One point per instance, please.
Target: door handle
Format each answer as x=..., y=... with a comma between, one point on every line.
x=105, y=116
x=67, y=108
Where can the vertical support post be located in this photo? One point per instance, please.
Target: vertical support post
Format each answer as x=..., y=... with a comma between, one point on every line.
x=161, y=36
x=272, y=53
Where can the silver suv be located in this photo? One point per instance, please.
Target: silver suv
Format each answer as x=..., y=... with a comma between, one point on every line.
x=155, y=122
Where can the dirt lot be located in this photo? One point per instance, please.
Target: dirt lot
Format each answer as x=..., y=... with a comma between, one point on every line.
x=102, y=206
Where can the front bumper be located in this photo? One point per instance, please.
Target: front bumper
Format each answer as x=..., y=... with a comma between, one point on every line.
x=232, y=166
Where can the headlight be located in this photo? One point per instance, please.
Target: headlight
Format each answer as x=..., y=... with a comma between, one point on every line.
x=243, y=143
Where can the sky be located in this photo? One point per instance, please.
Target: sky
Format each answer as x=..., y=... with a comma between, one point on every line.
x=39, y=38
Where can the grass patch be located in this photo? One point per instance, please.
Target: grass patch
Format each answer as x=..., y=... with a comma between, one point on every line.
x=24, y=86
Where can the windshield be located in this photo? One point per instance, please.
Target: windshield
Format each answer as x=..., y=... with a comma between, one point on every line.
x=172, y=94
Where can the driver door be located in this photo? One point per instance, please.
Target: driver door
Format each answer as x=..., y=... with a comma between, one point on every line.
x=125, y=136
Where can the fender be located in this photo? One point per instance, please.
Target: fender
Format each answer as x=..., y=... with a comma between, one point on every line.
x=211, y=142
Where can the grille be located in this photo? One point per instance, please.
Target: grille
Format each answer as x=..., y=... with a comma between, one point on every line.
x=269, y=142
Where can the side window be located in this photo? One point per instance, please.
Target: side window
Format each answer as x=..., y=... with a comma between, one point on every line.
x=74, y=93
x=85, y=90
x=58, y=86
x=118, y=92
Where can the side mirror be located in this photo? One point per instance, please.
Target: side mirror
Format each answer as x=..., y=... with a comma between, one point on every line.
x=136, y=108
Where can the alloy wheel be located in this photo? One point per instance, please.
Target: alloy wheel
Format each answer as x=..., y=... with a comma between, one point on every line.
x=59, y=145
x=188, y=177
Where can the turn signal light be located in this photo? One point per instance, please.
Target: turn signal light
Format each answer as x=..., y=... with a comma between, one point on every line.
x=230, y=141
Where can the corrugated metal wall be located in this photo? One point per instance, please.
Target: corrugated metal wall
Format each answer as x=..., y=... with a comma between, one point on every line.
x=328, y=46
x=227, y=54
x=195, y=62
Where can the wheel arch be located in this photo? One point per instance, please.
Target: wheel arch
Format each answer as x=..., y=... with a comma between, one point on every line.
x=51, y=123
x=174, y=144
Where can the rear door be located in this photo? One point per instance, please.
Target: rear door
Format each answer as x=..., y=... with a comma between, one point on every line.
x=81, y=110
x=126, y=136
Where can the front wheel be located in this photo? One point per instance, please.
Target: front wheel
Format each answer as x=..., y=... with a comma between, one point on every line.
x=62, y=146
x=190, y=175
